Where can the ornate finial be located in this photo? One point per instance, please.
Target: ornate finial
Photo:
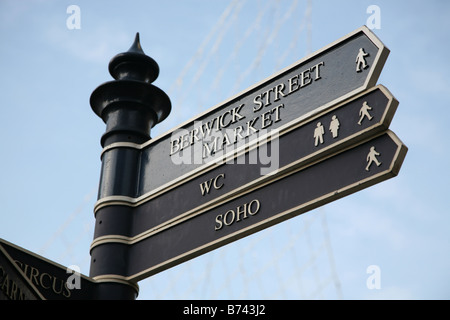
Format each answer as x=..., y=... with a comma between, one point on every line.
x=136, y=46
x=134, y=64
x=130, y=105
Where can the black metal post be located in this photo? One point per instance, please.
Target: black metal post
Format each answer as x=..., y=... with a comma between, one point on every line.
x=130, y=106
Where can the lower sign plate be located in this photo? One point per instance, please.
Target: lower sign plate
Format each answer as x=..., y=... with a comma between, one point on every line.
x=294, y=193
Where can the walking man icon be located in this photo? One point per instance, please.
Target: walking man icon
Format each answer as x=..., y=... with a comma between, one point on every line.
x=372, y=157
x=364, y=112
x=361, y=60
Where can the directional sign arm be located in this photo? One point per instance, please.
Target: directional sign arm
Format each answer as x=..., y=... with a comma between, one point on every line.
x=291, y=195
x=14, y=284
x=311, y=85
x=291, y=148
x=48, y=277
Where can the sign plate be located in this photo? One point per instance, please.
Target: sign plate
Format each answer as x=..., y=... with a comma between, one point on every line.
x=48, y=277
x=340, y=126
x=14, y=285
x=293, y=193
x=331, y=75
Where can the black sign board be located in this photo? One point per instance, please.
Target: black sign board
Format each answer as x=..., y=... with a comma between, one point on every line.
x=286, y=145
x=14, y=285
x=340, y=126
x=331, y=75
x=52, y=280
x=311, y=134
x=292, y=193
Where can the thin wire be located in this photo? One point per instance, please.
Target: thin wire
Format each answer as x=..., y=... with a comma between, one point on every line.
x=58, y=233
x=265, y=45
x=199, y=53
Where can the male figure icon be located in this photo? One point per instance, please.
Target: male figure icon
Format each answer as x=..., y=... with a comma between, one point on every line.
x=318, y=134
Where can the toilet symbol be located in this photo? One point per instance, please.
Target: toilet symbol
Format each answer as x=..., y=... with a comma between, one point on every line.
x=361, y=60
x=372, y=157
x=334, y=126
x=364, y=112
x=318, y=134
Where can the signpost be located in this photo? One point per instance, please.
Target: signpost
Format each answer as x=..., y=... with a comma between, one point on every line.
x=313, y=133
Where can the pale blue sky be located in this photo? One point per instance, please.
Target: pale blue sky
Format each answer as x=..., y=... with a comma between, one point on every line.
x=50, y=142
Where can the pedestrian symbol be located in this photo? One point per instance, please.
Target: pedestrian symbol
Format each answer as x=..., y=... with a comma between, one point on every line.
x=318, y=134
x=372, y=157
x=364, y=112
x=361, y=60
